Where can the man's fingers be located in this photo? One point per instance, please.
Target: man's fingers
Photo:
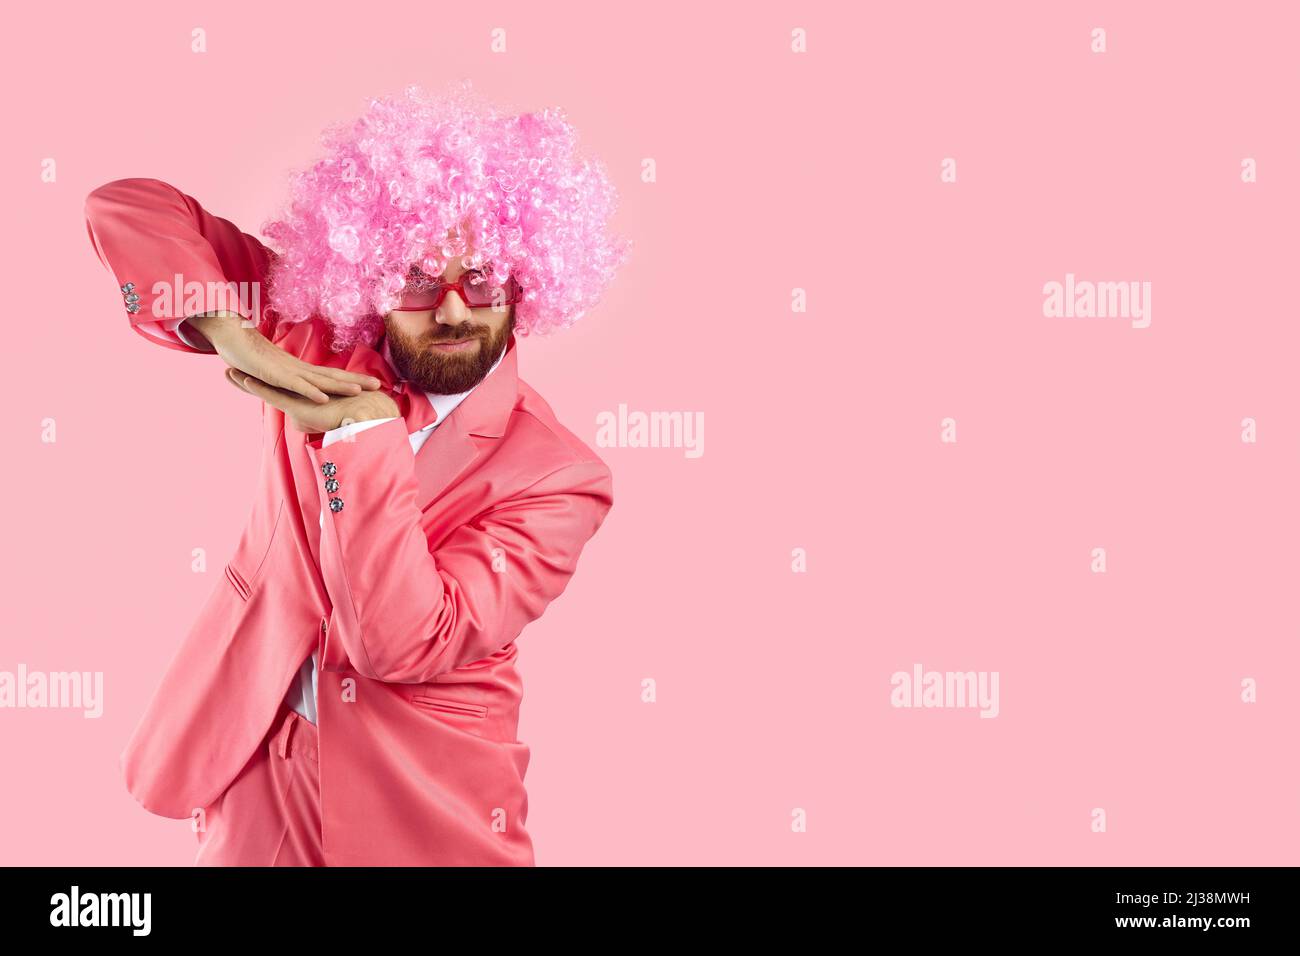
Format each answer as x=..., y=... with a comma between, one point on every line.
x=342, y=375
x=303, y=387
x=281, y=398
x=337, y=380
x=335, y=386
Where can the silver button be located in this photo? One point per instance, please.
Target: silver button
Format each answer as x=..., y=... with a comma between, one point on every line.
x=331, y=485
x=336, y=505
x=328, y=469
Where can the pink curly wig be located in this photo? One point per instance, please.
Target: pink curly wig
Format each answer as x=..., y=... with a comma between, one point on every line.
x=394, y=184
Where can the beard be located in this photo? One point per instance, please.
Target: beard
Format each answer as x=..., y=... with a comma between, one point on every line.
x=448, y=373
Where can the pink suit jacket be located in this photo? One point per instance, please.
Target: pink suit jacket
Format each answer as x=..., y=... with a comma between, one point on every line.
x=413, y=593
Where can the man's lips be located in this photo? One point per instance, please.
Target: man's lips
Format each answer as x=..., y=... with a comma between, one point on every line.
x=458, y=345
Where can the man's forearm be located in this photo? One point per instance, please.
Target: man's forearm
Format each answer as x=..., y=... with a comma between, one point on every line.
x=211, y=326
x=404, y=612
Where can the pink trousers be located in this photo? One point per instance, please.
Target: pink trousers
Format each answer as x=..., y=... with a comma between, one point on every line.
x=270, y=814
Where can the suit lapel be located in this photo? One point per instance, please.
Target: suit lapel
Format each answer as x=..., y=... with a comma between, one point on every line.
x=448, y=452
x=475, y=424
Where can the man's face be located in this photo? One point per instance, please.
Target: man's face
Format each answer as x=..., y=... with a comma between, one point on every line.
x=450, y=349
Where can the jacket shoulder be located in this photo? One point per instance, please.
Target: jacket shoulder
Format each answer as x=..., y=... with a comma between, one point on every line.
x=555, y=445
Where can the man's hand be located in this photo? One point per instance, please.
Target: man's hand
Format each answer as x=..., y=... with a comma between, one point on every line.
x=247, y=350
x=308, y=416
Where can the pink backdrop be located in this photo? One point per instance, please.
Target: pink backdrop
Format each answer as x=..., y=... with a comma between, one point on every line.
x=818, y=171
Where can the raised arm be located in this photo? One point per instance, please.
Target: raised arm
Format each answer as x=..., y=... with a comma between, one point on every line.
x=176, y=259
x=194, y=282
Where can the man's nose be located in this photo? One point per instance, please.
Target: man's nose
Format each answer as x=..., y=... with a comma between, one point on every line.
x=452, y=310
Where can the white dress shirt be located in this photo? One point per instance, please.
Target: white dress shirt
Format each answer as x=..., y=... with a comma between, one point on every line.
x=302, y=694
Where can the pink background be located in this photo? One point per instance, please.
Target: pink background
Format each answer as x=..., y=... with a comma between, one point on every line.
x=818, y=171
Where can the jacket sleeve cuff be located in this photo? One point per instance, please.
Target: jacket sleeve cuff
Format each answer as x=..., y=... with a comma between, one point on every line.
x=175, y=333
x=345, y=432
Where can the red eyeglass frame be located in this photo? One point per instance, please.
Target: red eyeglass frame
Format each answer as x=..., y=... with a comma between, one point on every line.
x=440, y=291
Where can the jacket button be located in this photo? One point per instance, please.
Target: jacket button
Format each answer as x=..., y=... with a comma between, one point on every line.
x=336, y=505
x=328, y=469
x=331, y=485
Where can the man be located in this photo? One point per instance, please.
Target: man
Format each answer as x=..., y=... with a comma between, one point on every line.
x=348, y=694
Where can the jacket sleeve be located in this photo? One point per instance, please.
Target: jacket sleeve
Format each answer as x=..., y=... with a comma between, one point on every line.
x=404, y=613
x=173, y=259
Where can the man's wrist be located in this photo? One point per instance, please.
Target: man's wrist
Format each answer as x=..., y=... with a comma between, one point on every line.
x=213, y=325
x=371, y=406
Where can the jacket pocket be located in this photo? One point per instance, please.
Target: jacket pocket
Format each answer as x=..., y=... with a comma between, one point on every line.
x=254, y=545
x=237, y=580
x=445, y=705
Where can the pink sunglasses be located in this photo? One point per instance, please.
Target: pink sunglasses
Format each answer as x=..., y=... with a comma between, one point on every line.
x=423, y=293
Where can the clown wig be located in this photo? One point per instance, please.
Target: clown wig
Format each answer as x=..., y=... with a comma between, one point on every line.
x=419, y=180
